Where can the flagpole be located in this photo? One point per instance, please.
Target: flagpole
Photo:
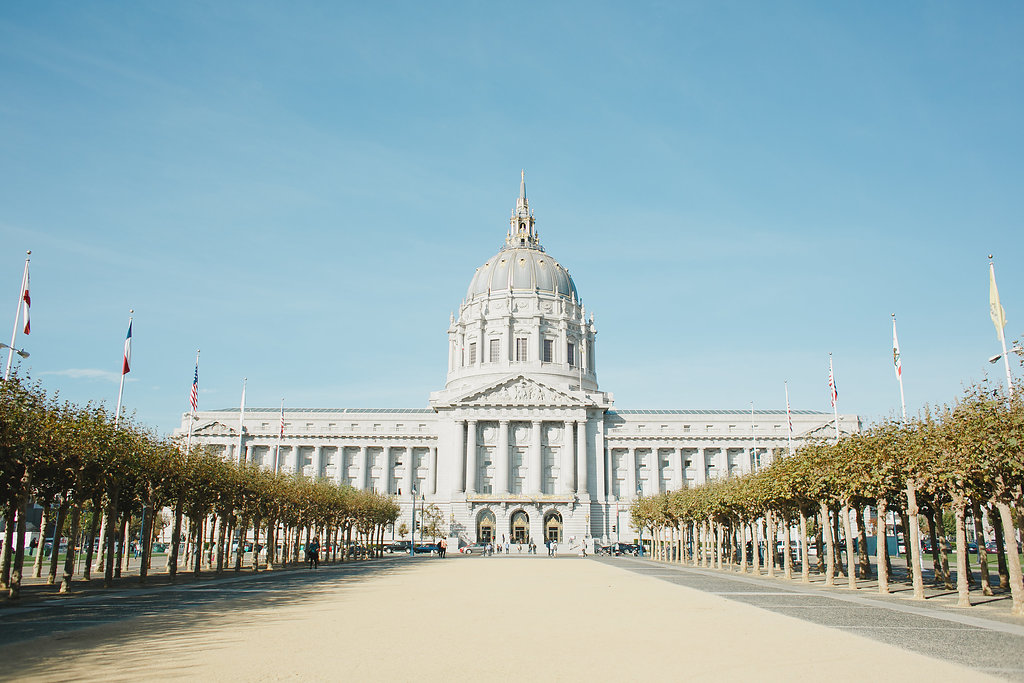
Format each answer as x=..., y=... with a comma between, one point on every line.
x=192, y=414
x=835, y=395
x=1000, y=328
x=120, y=390
x=241, y=422
x=280, y=437
x=17, y=314
x=789, y=420
x=753, y=440
x=897, y=358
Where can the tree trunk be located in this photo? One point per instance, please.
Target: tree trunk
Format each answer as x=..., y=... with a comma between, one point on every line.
x=913, y=543
x=19, y=544
x=770, y=542
x=90, y=545
x=837, y=546
x=37, y=569
x=197, y=557
x=1013, y=559
x=271, y=544
x=787, y=558
x=1004, y=572
x=755, y=547
x=963, y=568
x=936, y=564
x=172, y=557
x=69, y=560
x=805, y=548
x=220, y=543
x=743, y=548
x=819, y=545
x=863, y=555
x=8, y=555
x=851, y=575
x=146, y=538
x=111, y=538
x=947, y=579
x=719, y=542
x=905, y=522
x=101, y=558
x=882, y=546
x=211, y=521
x=979, y=535
x=830, y=546
x=122, y=540
x=58, y=533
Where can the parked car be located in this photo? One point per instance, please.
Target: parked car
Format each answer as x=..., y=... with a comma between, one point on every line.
x=430, y=548
x=398, y=547
x=475, y=549
x=619, y=549
x=992, y=547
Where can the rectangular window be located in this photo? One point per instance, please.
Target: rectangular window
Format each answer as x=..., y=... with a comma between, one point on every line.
x=570, y=355
x=494, y=351
x=399, y=427
x=376, y=427
x=354, y=427
x=521, y=349
x=686, y=428
x=548, y=351
x=472, y=353
x=422, y=428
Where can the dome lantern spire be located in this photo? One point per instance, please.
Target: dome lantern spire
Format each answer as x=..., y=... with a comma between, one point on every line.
x=522, y=231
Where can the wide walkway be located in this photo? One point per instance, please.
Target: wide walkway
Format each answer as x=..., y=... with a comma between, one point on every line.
x=501, y=618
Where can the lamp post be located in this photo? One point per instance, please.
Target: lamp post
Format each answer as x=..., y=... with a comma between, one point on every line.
x=20, y=352
x=994, y=359
x=412, y=531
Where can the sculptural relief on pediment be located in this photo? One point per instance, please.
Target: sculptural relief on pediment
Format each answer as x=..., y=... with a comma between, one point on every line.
x=520, y=391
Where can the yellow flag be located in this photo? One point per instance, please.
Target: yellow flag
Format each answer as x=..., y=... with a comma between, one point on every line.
x=995, y=308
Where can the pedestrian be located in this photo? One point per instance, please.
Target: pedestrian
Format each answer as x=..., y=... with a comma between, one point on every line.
x=313, y=553
x=554, y=548
x=442, y=547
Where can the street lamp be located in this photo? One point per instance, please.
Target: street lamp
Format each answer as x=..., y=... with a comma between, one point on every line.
x=412, y=545
x=994, y=359
x=20, y=352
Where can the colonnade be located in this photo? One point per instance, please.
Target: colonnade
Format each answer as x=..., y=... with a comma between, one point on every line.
x=573, y=473
x=700, y=457
x=288, y=461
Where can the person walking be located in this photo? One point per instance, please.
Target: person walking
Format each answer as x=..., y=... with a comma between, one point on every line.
x=442, y=548
x=554, y=548
x=313, y=553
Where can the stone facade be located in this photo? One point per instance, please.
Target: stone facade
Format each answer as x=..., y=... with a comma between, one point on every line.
x=520, y=442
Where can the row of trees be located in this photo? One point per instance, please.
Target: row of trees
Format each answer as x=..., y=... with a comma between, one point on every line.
x=81, y=465
x=965, y=458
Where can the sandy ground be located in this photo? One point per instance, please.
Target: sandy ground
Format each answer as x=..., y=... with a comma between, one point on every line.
x=476, y=618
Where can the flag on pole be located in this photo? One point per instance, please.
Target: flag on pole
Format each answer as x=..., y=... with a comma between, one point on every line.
x=193, y=398
x=994, y=307
x=789, y=413
x=897, y=360
x=126, y=366
x=832, y=383
x=281, y=434
x=26, y=301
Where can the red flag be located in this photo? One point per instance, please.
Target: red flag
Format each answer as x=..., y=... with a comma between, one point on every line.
x=26, y=300
x=126, y=367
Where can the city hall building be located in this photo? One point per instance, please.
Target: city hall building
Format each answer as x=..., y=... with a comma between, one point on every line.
x=521, y=443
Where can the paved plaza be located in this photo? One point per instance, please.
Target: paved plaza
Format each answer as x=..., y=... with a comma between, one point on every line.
x=498, y=618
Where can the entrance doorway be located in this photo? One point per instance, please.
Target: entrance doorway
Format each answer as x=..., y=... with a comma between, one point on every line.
x=485, y=527
x=553, y=527
x=520, y=527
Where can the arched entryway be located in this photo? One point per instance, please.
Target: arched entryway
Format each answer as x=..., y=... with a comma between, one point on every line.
x=519, y=527
x=485, y=527
x=553, y=527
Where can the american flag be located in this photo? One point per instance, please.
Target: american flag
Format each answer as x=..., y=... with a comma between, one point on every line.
x=282, y=420
x=789, y=413
x=897, y=361
x=832, y=383
x=126, y=366
x=194, y=396
x=26, y=300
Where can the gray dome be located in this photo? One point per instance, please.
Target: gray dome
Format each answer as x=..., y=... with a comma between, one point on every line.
x=522, y=270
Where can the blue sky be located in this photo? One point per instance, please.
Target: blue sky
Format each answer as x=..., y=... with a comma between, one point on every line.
x=303, y=191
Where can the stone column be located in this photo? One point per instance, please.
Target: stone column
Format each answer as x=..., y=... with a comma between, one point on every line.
x=318, y=462
x=293, y=458
x=410, y=474
x=339, y=466
x=364, y=471
x=630, y=492
x=566, y=472
x=700, y=466
x=388, y=468
x=654, y=473
x=536, y=460
x=471, y=457
x=678, y=477
x=460, y=448
x=582, y=485
x=432, y=471
x=502, y=460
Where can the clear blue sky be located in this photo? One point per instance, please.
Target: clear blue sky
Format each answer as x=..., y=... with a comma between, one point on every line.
x=303, y=190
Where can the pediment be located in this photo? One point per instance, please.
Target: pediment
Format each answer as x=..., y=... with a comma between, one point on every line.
x=518, y=391
x=214, y=429
x=825, y=431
